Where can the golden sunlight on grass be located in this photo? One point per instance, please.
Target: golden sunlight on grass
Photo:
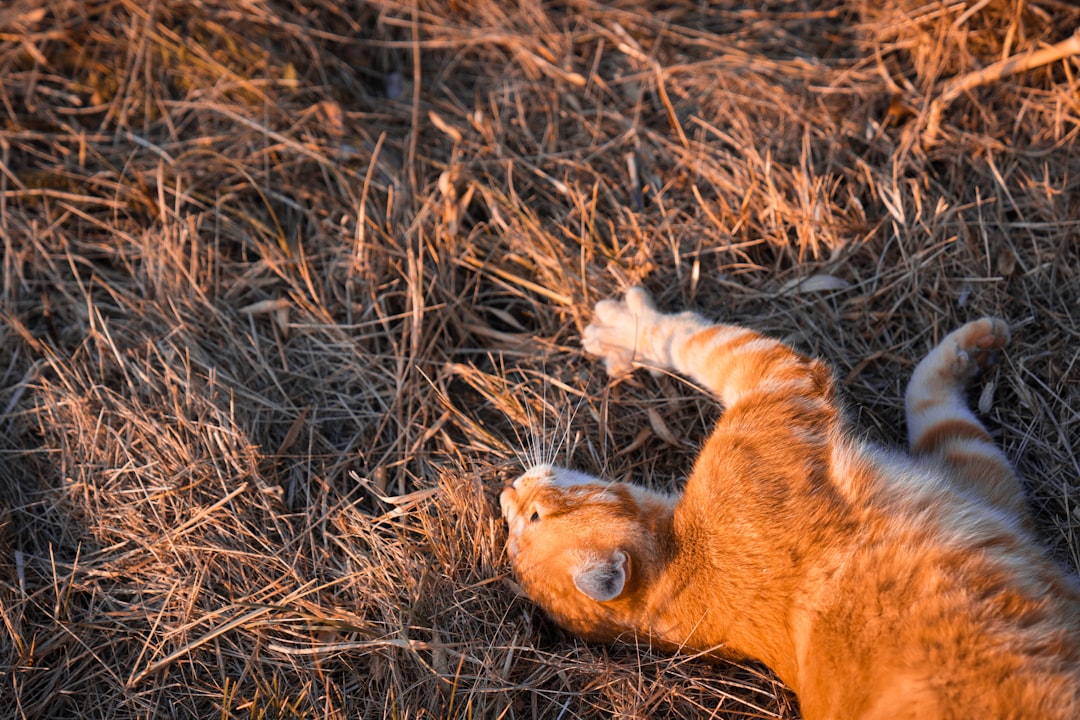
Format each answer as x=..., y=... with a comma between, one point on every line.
x=289, y=286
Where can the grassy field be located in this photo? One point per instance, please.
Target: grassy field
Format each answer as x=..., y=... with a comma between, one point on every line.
x=288, y=286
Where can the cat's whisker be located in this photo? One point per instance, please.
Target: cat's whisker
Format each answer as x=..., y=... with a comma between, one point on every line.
x=571, y=416
x=523, y=451
x=555, y=438
x=537, y=439
x=540, y=439
x=548, y=457
x=533, y=447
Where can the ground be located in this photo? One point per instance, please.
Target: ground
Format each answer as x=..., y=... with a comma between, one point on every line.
x=289, y=287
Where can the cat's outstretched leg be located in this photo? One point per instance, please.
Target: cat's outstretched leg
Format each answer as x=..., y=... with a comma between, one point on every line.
x=731, y=361
x=941, y=425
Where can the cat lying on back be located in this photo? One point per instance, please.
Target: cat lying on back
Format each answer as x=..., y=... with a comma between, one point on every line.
x=875, y=584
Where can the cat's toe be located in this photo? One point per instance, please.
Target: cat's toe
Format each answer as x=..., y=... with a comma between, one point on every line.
x=976, y=345
x=619, y=364
x=610, y=312
x=639, y=301
x=617, y=328
x=617, y=360
x=606, y=337
x=590, y=339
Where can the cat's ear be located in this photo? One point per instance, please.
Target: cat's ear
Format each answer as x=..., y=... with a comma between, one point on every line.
x=603, y=578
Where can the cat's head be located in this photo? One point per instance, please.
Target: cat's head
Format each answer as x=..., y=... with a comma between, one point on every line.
x=582, y=548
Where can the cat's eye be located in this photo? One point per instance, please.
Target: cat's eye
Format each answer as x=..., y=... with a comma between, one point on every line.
x=534, y=517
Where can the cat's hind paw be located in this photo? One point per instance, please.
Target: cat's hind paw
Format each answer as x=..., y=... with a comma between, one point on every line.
x=973, y=347
x=617, y=330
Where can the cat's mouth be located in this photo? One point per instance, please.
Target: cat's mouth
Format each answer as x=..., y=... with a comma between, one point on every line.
x=508, y=502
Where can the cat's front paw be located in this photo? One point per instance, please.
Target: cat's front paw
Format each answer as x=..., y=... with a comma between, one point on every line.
x=618, y=328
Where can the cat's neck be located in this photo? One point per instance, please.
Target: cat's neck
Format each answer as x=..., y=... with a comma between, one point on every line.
x=741, y=610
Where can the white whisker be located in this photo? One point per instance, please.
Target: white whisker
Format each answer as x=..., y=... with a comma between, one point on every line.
x=522, y=452
x=549, y=430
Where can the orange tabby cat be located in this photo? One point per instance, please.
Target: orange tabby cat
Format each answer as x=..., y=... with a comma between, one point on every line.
x=875, y=584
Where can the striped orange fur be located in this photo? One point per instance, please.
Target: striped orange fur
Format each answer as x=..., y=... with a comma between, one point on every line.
x=876, y=584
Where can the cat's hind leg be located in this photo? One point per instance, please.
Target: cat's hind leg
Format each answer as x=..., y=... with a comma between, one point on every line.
x=941, y=425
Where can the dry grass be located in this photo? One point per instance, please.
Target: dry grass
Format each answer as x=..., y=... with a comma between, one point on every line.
x=288, y=285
